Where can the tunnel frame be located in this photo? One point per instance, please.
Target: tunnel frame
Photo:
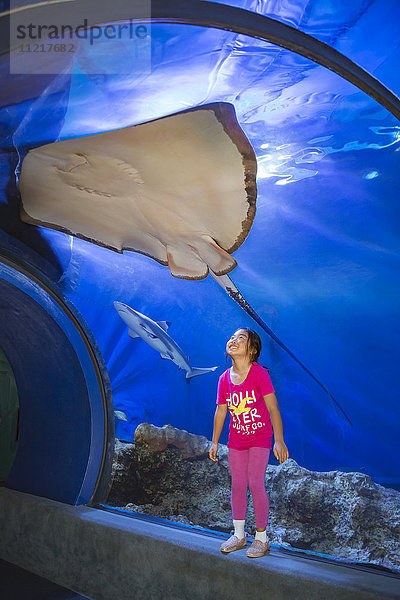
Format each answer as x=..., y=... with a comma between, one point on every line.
x=95, y=467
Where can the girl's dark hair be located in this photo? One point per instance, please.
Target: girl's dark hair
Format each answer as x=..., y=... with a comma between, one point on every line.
x=253, y=344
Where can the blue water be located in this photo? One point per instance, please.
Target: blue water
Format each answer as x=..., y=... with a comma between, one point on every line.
x=321, y=263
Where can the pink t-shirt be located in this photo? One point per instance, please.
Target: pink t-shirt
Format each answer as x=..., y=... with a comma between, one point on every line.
x=250, y=420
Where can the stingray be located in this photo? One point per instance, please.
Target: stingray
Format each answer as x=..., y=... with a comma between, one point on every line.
x=180, y=189
x=172, y=189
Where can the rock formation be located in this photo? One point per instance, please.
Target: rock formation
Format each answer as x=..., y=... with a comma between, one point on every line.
x=167, y=473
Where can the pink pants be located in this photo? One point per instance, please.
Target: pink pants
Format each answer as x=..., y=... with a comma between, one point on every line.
x=248, y=468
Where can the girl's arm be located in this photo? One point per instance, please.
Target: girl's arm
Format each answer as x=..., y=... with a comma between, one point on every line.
x=280, y=449
x=219, y=420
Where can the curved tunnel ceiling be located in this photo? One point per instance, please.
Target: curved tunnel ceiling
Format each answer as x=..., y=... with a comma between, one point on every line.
x=320, y=262
x=214, y=15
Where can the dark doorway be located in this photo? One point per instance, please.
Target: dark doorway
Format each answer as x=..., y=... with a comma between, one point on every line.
x=9, y=413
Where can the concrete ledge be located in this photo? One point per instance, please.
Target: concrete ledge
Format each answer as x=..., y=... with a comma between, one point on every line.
x=109, y=556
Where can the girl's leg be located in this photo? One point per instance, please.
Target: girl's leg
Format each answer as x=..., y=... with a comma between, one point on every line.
x=238, y=465
x=258, y=460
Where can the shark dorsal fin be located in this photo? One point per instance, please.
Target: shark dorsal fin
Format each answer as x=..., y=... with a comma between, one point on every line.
x=164, y=324
x=133, y=334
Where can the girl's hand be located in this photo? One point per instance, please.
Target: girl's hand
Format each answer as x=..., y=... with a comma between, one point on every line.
x=213, y=452
x=281, y=452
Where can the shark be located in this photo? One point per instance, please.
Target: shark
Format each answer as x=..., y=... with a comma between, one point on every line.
x=156, y=336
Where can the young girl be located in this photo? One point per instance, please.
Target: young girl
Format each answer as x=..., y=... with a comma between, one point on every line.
x=246, y=391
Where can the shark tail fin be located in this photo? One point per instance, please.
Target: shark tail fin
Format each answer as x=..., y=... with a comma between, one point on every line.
x=199, y=371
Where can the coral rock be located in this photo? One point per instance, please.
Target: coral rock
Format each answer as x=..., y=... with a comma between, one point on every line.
x=167, y=473
x=159, y=438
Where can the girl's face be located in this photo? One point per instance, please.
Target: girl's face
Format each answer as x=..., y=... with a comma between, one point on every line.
x=236, y=346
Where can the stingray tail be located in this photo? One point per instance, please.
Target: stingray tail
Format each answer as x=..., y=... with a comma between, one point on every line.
x=227, y=284
x=199, y=371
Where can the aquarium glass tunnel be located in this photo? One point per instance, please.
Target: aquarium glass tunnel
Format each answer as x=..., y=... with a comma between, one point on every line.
x=215, y=166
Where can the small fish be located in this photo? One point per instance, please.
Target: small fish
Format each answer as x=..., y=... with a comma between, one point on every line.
x=120, y=415
x=156, y=336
